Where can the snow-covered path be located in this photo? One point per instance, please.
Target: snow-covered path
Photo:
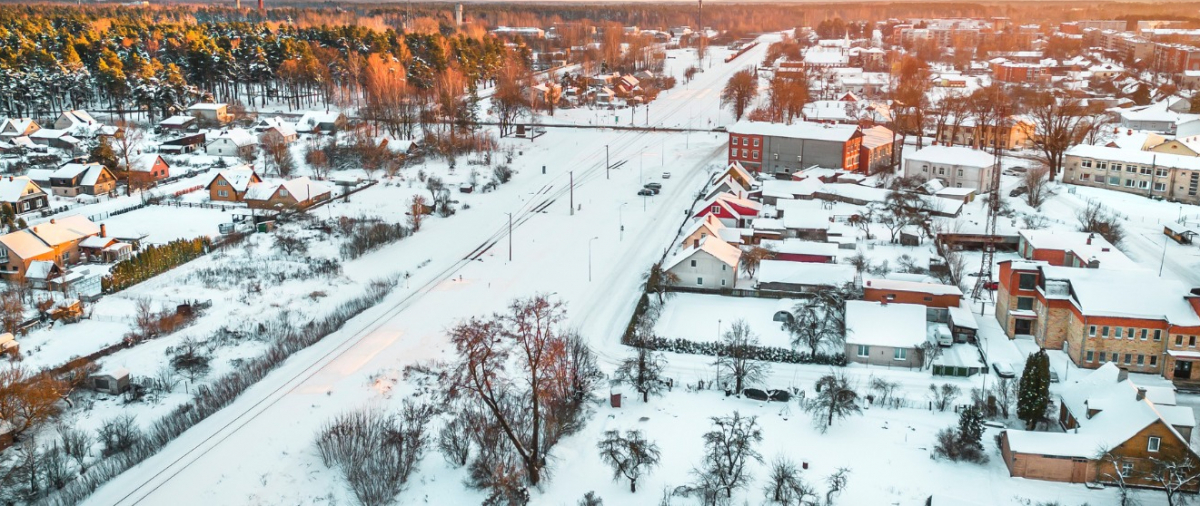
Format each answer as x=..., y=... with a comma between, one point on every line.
x=261, y=446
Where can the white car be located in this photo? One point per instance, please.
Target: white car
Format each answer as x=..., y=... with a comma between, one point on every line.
x=666, y=175
x=1003, y=370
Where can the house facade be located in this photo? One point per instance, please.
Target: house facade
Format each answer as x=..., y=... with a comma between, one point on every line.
x=1147, y=173
x=774, y=148
x=885, y=334
x=236, y=142
x=22, y=194
x=912, y=292
x=75, y=179
x=56, y=242
x=706, y=263
x=213, y=113
x=299, y=193
x=954, y=166
x=147, y=170
x=230, y=185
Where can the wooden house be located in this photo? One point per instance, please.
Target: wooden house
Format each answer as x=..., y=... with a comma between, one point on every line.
x=230, y=185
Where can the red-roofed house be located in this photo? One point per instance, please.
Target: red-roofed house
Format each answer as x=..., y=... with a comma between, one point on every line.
x=732, y=211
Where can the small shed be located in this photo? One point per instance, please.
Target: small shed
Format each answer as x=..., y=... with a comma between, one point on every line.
x=910, y=236
x=1181, y=234
x=783, y=311
x=963, y=324
x=9, y=346
x=111, y=381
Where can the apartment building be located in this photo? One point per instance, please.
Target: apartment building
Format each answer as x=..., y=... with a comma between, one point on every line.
x=1148, y=173
x=776, y=148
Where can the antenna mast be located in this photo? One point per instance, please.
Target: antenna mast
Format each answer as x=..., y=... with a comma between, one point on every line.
x=983, y=281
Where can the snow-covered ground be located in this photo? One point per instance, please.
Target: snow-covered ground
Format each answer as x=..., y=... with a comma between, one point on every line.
x=702, y=318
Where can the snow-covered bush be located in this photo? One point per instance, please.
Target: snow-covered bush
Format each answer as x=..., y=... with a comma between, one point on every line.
x=375, y=451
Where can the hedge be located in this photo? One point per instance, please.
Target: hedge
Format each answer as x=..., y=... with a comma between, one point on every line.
x=152, y=261
x=763, y=353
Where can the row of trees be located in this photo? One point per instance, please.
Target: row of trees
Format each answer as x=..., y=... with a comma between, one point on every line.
x=152, y=261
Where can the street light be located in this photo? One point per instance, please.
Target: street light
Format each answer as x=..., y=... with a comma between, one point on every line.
x=590, y=258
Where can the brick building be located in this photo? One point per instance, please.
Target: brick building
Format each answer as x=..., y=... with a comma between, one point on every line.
x=1140, y=321
x=776, y=148
x=911, y=292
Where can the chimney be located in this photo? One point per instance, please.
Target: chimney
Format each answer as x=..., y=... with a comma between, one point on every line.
x=1129, y=132
x=103, y=230
x=1089, y=239
x=1141, y=395
x=1122, y=374
x=260, y=5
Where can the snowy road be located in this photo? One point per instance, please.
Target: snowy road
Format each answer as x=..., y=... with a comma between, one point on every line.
x=260, y=448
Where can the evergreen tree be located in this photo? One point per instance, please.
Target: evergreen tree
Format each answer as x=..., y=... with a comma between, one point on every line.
x=970, y=426
x=1034, y=392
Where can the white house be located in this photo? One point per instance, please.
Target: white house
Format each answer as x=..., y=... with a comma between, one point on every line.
x=878, y=333
x=236, y=142
x=71, y=120
x=954, y=166
x=706, y=263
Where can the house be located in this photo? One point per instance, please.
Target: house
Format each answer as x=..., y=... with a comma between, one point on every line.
x=321, y=122
x=1064, y=248
x=910, y=292
x=1015, y=132
x=885, y=334
x=75, y=179
x=405, y=147
x=731, y=186
x=798, y=250
x=59, y=139
x=104, y=249
x=179, y=123
x=213, y=113
x=801, y=277
x=1114, y=427
x=706, y=263
x=147, y=169
x=954, y=166
x=1146, y=323
x=281, y=133
x=22, y=194
x=804, y=219
x=44, y=274
x=75, y=121
x=732, y=211
x=1147, y=173
x=12, y=348
x=110, y=381
x=183, y=145
x=299, y=193
x=230, y=185
x=738, y=173
x=710, y=226
x=236, y=142
x=776, y=148
x=18, y=127
x=55, y=242
x=779, y=190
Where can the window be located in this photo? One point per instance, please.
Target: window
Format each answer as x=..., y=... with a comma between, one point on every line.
x=1091, y=355
x=1092, y=331
x=1160, y=172
x=864, y=350
x=1114, y=180
x=736, y=141
x=1153, y=361
x=1179, y=341
x=1025, y=303
x=1129, y=183
x=1102, y=165
x=941, y=171
x=1117, y=333
x=960, y=173
x=744, y=152
x=716, y=209
x=1103, y=357
x=756, y=143
x=1104, y=331
x=901, y=354
x=222, y=193
x=700, y=281
x=1126, y=469
x=775, y=156
x=1191, y=341
x=1145, y=334
x=924, y=168
x=1085, y=177
x=1027, y=282
x=1154, y=444
x=1158, y=334
x=1158, y=187
x=1086, y=163
x=1143, y=184
x=1141, y=360
x=1128, y=358
x=283, y=192
x=754, y=154
x=1116, y=167
x=222, y=183
x=693, y=263
x=722, y=282
x=1146, y=171
x=724, y=267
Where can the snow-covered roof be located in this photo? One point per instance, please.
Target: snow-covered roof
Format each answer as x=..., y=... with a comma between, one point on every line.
x=239, y=137
x=854, y=191
x=804, y=273
x=71, y=170
x=714, y=246
x=13, y=188
x=207, y=106
x=963, y=317
x=96, y=242
x=878, y=324
x=48, y=133
x=789, y=189
x=312, y=119
x=65, y=229
x=797, y=130
x=24, y=244
x=1129, y=293
x=21, y=125
x=177, y=120
x=801, y=247
x=953, y=155
x=1087, y=246
x=912, y=286
x=1135, y=156
x=143, y=162
x=78, y=117
x=39, y=269
x=876, y=136
x=301, y=188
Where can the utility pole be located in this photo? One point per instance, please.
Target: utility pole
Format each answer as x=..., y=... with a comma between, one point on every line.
x=606, y=164
x=572, y=193
x=510, y=237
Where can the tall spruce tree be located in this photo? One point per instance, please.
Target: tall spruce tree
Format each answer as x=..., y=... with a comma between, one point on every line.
x=1034, y=392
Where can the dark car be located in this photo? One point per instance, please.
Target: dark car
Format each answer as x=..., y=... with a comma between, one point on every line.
x=646, y=192
x=654, y=186
x=1018, y=191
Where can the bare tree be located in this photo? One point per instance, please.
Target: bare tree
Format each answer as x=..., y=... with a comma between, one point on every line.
x=740, y=91
x=1176, y=473
x=1098, y=219
x=376, y=451
x=630, y=456
x=735, y=358
x=128, y=143
x=945, y=395
x=883, y=389
x=835, y=398
x=509, y=100
x=1057, y=126
x=786, y=487
x=12, y=311
x=1109, y=470
x=836, y=483
x=659, y=281
x=819, y=319
x=644, y=371
x=728, y=449
x=1004, y=390
x=28, y=399
x=753, y=258
x=416, y=212
x=1037, y=185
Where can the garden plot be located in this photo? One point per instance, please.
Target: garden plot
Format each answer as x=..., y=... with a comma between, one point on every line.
x=703, y=318
x=159, y=224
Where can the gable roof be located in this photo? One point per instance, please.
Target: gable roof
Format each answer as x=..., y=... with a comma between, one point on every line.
x=714, y=246
x=72, y=170
x=78, y=117
x=796, y=130
x=238, y=178
x=879, y=324
x=144, y=162
x=237, y=136
x=804, y=273
x=13, y=188
x=301, y=188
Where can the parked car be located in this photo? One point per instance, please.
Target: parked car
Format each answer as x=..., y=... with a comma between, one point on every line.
x=654, y=186
x=646, y=192
x=666, y=175
x=1004, y=370
x=1053, y=376
x=1018, y=191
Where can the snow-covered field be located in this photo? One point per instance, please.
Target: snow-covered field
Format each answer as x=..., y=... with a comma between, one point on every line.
x=702, y=318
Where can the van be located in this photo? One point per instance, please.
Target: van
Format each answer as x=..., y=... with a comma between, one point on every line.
x=944, y=336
